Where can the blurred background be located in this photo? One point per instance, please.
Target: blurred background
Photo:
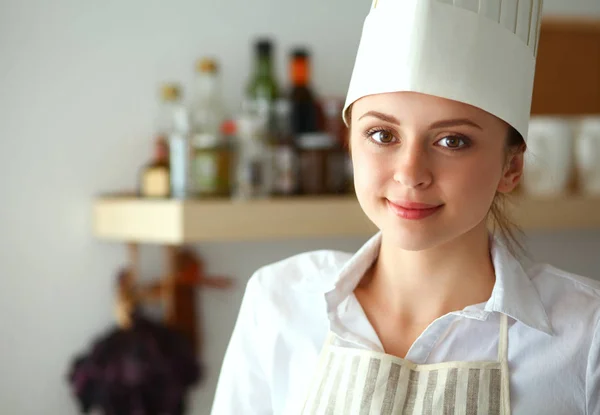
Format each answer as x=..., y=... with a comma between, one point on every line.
x=83, y=87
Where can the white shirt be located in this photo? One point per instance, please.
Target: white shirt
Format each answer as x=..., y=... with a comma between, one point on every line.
x=289, y=306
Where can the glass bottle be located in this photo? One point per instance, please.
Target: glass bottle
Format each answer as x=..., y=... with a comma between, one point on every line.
x=155, y=176
x=303, y=104
x=285, y=158
x=173, y=125
x=263, y=89
x=253, y=166
x=210, y=154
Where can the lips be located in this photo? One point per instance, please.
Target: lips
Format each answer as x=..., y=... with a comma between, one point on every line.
x=412, y=210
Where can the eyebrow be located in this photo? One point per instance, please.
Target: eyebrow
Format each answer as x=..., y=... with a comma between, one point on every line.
x=439, y=124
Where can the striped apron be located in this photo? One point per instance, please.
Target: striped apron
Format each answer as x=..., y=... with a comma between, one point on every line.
x=352, y=381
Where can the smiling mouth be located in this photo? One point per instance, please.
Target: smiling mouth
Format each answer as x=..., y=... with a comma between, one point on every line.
x=413, y=210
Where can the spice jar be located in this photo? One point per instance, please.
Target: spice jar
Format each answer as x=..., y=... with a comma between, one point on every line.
x=317, y=161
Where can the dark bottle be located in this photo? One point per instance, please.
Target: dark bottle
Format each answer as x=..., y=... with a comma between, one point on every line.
x=304, y=116
x=262, y=89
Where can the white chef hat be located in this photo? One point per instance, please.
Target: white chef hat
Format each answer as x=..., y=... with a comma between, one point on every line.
x=480, y=52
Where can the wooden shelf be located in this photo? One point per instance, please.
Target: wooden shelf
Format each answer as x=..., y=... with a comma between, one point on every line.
x=178, y=222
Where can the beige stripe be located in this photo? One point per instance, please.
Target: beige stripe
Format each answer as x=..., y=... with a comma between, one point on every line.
x=428, y=398
x=352, y=384
x=494, y=391
x=334, y=390
x=450, y=392
x=361, y=376
x=483, y=401
x=461, y=391
x=423, y=368
x=505, y=396
x=402, y=388
x=344, y=385
x=321, y=389
x=473, y=391
x=370, y=384
x=421, y=389
x=314, y=387
x=440, y=389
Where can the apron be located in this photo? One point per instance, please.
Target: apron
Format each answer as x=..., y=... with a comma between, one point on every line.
x=352, y=381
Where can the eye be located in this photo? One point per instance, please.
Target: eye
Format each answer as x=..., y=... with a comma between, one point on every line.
x=380, y=136
x=453, y=142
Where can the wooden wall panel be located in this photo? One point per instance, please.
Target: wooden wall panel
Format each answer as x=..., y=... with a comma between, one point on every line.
x=568, y=68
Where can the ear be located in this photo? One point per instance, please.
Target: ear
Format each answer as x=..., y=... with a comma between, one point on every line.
x=512, y=173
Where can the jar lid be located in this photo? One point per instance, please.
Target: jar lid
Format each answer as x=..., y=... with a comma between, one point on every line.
x=315, y=141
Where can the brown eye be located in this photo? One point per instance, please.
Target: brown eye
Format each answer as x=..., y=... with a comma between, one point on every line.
x=452, y=142
x=382, y=137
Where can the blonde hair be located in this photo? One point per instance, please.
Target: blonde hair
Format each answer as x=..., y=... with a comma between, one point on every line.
x=501, y=223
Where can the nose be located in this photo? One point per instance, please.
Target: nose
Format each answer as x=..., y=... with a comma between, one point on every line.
x=412, y=166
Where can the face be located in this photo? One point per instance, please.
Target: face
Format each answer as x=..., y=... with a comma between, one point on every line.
x=426, y=169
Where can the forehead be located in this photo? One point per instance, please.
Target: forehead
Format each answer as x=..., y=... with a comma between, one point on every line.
x=414, y=105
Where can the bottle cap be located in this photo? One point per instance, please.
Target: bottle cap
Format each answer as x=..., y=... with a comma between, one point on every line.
x=207, y=65
x=264, y=47
x=228, y=127
x=170, y=92
x=300, y=53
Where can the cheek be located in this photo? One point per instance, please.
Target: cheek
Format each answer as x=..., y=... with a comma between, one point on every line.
x=369, y=168
x=473, y=181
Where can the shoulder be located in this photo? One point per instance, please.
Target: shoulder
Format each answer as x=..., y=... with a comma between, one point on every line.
x=569, y=299
x=556, y=283
x=308, y=272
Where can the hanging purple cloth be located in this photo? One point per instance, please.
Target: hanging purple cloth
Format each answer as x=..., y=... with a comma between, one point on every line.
x=146, y=369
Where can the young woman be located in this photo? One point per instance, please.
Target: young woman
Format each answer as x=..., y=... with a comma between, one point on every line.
x=434, y=314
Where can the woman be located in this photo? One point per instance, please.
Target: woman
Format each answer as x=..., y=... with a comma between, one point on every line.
x=434, y=314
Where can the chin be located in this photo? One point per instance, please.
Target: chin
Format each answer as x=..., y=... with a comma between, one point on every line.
x=412, y=239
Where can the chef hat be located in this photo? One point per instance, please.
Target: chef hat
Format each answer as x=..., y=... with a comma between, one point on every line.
x=480, y=52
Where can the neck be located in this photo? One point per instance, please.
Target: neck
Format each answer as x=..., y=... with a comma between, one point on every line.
x=424, y=285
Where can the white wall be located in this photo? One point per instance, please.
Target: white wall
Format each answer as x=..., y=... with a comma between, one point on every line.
x=78, y=83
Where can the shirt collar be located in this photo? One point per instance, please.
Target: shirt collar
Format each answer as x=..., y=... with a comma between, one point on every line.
x=513, y=294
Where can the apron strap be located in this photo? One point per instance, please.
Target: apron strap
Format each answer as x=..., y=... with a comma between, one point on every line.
x=320, y=363
x=503, y=339
x=503, y=359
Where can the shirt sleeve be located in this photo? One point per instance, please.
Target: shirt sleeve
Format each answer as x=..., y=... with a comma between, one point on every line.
x=592, y=378
x=243, y=386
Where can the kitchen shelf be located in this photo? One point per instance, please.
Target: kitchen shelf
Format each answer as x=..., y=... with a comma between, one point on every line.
x=186, y=221
x=176, y=222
